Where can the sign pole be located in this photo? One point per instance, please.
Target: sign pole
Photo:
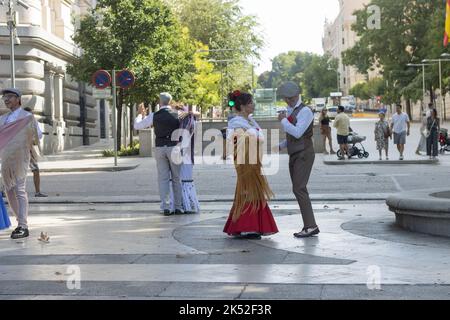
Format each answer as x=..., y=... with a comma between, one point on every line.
x=114, y=92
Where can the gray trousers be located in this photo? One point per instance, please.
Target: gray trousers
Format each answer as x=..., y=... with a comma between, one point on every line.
x=300, y=167
x=18, y=201
x=167, y=170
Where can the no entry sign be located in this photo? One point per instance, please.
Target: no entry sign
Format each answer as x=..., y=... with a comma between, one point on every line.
x=125, y=79
x=101, y=79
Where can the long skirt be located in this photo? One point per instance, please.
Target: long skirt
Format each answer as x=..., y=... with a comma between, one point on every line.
x=250, y=212
x=422, y=147
x=5, y=223
x=189, y=193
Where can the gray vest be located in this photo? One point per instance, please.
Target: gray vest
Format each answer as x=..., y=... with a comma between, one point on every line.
x=305, y=142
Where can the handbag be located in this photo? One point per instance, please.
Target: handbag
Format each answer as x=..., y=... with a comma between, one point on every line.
x=387, y=133
x=427, y=132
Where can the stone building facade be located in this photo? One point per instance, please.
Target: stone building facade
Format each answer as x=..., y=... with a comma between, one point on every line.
x=339, y=36
x=65, y=109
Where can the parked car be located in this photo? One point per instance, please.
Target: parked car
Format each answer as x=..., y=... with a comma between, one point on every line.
x=332, y=112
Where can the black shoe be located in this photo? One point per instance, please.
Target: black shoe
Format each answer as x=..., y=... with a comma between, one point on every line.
x=178, y=212
x=20, y=233
x=307, y=232
x=167, y=213
x=253, y=236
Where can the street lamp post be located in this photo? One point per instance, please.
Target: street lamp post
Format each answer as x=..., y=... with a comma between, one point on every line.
x=13, y=38
x=226, y=62
x=439, y=61
x=423, y=75
x=11, y=26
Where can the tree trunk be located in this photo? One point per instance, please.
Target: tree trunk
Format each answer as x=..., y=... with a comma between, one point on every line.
x=408, y=108
x=432, y=100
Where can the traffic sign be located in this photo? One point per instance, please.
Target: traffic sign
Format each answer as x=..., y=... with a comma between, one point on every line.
x=101, y=79
x=102, y=93
x=125, y=79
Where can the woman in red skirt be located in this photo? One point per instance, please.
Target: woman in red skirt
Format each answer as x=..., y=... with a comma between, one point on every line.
x=250, y=216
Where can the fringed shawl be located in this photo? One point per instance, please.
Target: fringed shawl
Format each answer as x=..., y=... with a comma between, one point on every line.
x=252, y=189
x=16, y=141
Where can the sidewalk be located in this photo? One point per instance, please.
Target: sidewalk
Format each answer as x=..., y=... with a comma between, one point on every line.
x=87, y=159
x=359, y=254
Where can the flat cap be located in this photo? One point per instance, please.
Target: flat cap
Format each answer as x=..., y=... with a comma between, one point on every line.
x=289, y=90
x=15, y=91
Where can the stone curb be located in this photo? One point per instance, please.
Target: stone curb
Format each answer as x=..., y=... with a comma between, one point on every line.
x=89, y=169
x=382, y=162
x=204, y=199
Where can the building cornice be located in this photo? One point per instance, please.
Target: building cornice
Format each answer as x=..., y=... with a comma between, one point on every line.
x=41, y=39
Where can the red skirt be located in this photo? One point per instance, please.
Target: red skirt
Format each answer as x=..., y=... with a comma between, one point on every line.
x=261, y=222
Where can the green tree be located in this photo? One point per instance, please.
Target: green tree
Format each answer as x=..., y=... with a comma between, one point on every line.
x=314, y=73
x=204, y=82
x=221, y=24
x=141, y=35
x=320, y=78
x=371, y=89
x=410, y=32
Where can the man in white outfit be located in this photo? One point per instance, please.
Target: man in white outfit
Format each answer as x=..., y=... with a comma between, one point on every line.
x=17, y=195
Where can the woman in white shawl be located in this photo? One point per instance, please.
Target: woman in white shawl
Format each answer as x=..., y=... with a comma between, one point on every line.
x=250, y=216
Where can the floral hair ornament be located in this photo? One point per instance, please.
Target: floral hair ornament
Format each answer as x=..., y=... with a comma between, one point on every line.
x=232, y=101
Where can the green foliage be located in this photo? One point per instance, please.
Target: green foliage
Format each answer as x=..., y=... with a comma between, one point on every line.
x=219, y=25
x=371, y=89
x=141, y=35
x=130, y=151
x=410, y=32
x=316, y=74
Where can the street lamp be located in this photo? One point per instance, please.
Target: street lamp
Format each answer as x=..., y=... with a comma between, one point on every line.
x=12, y=17
x=226, y=62
x=423, y=74
x=444, y=55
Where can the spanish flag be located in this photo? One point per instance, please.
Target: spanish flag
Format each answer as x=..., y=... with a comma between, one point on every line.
x=447, y=25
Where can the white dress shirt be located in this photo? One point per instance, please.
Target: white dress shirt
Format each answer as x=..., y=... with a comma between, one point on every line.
x=147, y=122
x=304, y=119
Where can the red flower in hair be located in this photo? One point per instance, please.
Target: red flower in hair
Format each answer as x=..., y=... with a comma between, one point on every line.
x=236, y=93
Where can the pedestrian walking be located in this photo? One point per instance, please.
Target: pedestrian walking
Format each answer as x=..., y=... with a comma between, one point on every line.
x=432, y=134
x=382, y=135
x=325, y=130
x=34, y=167
x=18, y=131
x=342, y=124
x=400, y=127
x=422, y=146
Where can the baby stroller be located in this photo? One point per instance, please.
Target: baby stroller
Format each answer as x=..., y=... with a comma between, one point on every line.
x=444, y=141
x=354, y=151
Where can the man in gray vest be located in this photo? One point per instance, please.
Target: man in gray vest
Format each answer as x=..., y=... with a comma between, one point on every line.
x=298, y=124
x=165, y=122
